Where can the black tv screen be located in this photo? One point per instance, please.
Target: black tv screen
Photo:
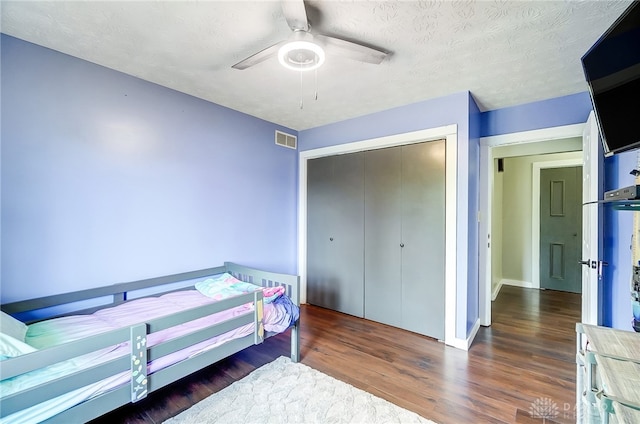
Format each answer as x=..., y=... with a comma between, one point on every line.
x=612, y=69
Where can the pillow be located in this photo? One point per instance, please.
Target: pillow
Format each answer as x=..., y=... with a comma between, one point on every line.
x=11, y=347
x=224, y=286
x=12, y=327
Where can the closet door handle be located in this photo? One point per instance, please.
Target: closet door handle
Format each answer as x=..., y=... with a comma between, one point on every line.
x=401, y=244
x=330, y=238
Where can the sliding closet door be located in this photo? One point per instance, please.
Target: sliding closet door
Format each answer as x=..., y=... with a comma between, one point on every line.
x=348, y=231
x=335, y=233
x=320, y=281
x=404, y=237
x=423, y=238
x=383, y=294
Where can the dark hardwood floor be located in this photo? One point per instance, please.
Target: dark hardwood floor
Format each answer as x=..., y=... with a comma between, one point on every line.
x=527, y=355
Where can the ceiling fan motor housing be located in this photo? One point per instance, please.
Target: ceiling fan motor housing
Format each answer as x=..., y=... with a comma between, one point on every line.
x=301, y=52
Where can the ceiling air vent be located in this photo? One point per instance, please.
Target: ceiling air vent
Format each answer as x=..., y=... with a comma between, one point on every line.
x=286, y=140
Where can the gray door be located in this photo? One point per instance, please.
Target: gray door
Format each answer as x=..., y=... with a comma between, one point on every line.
x=404, y=237
x=423, y=238
x=335, y=233
x=321, y=284
x=383, y=229
x=561, y=228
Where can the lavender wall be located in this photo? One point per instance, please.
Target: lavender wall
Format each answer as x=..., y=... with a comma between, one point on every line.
x=452, y=109
x=618, y=228
x=559, y=111
x=107, y=178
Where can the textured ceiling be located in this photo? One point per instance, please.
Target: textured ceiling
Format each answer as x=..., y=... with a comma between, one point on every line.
x=504, y=52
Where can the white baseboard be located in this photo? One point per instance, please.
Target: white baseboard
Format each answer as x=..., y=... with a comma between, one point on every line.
x=517, y=283
x=465, y=344
x=506, y=282
x=474, y=331
x=496, y=290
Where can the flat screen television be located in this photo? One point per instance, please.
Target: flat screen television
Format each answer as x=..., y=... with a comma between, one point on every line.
x=612, y=70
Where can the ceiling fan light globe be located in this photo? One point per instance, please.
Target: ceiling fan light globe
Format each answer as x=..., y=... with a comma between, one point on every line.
x=301, y=55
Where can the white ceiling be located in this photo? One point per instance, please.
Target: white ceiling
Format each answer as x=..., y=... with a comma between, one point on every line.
x=505, y=52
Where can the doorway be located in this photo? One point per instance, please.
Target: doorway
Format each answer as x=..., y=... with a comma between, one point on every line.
x=537, y=142
x=515, y=248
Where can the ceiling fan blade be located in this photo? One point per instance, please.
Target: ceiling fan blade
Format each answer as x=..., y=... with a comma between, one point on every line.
x=295, y=14
x=259, y=57
x=351, y=50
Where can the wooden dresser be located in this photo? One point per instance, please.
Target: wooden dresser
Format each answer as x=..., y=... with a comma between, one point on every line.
x=608, y=375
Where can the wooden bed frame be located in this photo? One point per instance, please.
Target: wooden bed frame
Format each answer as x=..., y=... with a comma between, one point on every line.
x=134, y=391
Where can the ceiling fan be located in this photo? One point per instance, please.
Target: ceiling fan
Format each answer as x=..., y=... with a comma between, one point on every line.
x=304, y=50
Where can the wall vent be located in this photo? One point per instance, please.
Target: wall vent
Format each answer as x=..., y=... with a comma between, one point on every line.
x=286, y=140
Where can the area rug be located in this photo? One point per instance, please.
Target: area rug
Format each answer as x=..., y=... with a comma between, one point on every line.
x=287, y=392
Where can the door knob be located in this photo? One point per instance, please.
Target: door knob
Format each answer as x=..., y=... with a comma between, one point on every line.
x=401, y=244
x=589, y=263
x=330, y=238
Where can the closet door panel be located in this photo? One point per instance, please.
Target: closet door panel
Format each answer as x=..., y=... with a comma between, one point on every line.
x=321, y=282
x=335, y=233
x=382, y=236
x=423, y=237
x=348, y=232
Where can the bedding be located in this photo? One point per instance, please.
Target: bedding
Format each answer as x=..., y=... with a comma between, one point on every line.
x=10, y=347
x=278, y=315
x=225, y=285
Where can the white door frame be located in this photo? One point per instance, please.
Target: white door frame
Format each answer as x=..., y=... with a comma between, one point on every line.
x=486, y=193
x=535, y=212
x=593, y=176
x=450, y=134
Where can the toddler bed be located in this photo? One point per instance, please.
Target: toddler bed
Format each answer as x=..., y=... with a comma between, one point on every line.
x=79, y=365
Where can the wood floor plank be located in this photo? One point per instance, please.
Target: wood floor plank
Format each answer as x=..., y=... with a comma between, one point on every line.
x=525, y=356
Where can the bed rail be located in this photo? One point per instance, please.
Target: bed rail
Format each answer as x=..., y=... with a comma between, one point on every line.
x=290, y=282
x=117, y=292
x=141, y=384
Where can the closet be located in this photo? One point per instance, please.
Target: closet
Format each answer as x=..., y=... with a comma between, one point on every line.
x=387, y=208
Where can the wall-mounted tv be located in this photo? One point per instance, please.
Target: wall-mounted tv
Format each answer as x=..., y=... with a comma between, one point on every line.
x=612, y=69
